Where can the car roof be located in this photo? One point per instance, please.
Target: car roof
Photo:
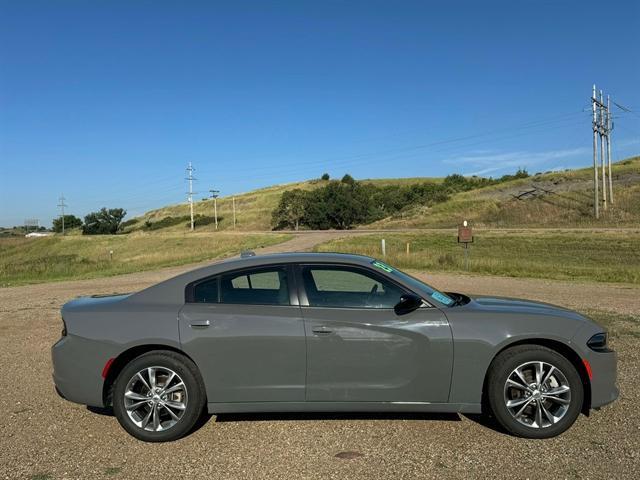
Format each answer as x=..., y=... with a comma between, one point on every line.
x=172, y=290
x=294, y=257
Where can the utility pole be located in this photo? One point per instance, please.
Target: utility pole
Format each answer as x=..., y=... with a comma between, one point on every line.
x=596, y=199
x=609, y=128
x=233, y=202
x=191, y=178
x=61, y=206
x=602, y=127
x=602, y=159
x=215, y=195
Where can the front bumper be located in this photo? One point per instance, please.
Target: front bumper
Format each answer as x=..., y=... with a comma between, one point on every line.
x=603, y=382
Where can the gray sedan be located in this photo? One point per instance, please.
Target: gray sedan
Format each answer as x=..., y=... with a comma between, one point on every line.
x=307, y=332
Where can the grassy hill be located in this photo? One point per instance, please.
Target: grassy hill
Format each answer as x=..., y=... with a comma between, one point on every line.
x=557, y=199
x=253, y=209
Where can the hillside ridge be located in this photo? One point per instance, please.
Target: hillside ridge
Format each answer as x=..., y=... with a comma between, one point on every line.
x=553, y=199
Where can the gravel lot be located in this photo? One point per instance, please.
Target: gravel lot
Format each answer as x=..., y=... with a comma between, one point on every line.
x=43, y=436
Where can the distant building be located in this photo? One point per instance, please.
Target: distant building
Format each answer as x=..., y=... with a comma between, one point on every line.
x=38, y=234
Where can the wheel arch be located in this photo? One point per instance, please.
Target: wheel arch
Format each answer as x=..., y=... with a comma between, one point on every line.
x=557, y=346
x=127, y=356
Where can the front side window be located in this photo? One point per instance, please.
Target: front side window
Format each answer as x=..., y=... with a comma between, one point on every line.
x=348, y=287
x=264, y=286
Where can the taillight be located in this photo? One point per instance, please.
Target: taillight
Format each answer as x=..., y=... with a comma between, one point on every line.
x=598, y=342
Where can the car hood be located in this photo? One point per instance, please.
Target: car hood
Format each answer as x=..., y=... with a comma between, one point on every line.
x=505, y=304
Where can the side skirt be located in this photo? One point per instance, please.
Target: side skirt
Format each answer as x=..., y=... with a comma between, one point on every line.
x=294, y=407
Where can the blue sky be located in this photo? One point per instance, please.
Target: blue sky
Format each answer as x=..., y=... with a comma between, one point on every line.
x=107, y=101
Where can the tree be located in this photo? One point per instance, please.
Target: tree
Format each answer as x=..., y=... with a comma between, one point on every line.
x=70, y=221
x=290, y=210
x=104, y=222
x=325, y=176
x=348, y=179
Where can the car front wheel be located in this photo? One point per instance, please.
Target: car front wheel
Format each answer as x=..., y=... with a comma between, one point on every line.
x=158, y=396
x=534, y=392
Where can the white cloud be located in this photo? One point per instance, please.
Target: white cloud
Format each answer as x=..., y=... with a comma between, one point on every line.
x=474, y=164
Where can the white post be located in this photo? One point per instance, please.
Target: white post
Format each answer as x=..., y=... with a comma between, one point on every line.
x=384, y=248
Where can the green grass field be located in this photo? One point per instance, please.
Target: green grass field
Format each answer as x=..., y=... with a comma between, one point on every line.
x=605, y=256
x=39, y=260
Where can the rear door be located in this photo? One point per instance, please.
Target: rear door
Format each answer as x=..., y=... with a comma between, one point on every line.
x=246, y=334
x=359, y=350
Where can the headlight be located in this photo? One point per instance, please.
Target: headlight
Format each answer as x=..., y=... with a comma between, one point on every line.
x=598, y=342
x=64, y=328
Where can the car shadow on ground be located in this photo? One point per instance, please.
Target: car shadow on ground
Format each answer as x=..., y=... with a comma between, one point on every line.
x=261, y=417
x=483, y=420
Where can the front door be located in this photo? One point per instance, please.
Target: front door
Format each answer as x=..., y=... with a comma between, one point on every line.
x=359, y=350
x=245, y=332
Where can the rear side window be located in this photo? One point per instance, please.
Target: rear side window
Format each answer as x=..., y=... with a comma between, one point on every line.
x=265, y=286
x=206, y=292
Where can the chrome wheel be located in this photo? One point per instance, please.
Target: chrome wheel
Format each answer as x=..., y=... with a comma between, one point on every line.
x=155, y=398
x=537, y=394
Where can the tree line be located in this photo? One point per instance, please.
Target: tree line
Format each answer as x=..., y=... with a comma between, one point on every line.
x=106, y=221
x=342, y=204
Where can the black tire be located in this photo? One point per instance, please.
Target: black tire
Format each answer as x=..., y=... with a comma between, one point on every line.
x=186, y=370
x=500, y=370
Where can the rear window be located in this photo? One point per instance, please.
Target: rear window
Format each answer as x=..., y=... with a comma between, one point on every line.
x=266, y=286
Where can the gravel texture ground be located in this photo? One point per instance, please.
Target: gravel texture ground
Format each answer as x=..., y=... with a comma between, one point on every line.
x=45, y=437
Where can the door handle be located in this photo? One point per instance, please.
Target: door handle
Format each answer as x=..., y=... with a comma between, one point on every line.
x=199, y=323
x=321, y=330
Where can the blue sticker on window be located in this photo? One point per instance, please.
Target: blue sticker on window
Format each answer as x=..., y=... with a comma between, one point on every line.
x=442, y=298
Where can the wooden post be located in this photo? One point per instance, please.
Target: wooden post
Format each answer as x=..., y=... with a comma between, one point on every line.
x=408, y=248
x=233, y=201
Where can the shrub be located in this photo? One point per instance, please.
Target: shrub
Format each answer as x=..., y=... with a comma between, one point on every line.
x=104, y=222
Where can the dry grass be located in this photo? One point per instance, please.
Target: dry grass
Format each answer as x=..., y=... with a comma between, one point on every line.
x=38, y=260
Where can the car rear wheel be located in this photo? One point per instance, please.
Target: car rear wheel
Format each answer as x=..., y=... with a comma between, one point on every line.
x=534, y=392
x=158, y=396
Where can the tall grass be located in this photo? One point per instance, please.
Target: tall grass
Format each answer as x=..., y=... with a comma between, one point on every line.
x=590, y=256
x=38, y=260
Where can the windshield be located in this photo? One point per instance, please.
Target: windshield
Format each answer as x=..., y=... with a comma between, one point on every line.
x=416, y=284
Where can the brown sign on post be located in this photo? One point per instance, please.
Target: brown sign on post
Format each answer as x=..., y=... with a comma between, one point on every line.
x=465, y=234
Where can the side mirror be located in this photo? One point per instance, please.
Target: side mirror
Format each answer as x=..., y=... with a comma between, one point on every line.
x=407, y=304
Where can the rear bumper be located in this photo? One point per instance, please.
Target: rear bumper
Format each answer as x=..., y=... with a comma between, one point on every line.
x=77, y=368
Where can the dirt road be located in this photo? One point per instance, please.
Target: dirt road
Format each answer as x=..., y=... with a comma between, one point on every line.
x=42, y=436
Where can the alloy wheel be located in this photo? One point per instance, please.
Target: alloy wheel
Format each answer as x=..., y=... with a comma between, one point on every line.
x=155, y=399
x=537, y=394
